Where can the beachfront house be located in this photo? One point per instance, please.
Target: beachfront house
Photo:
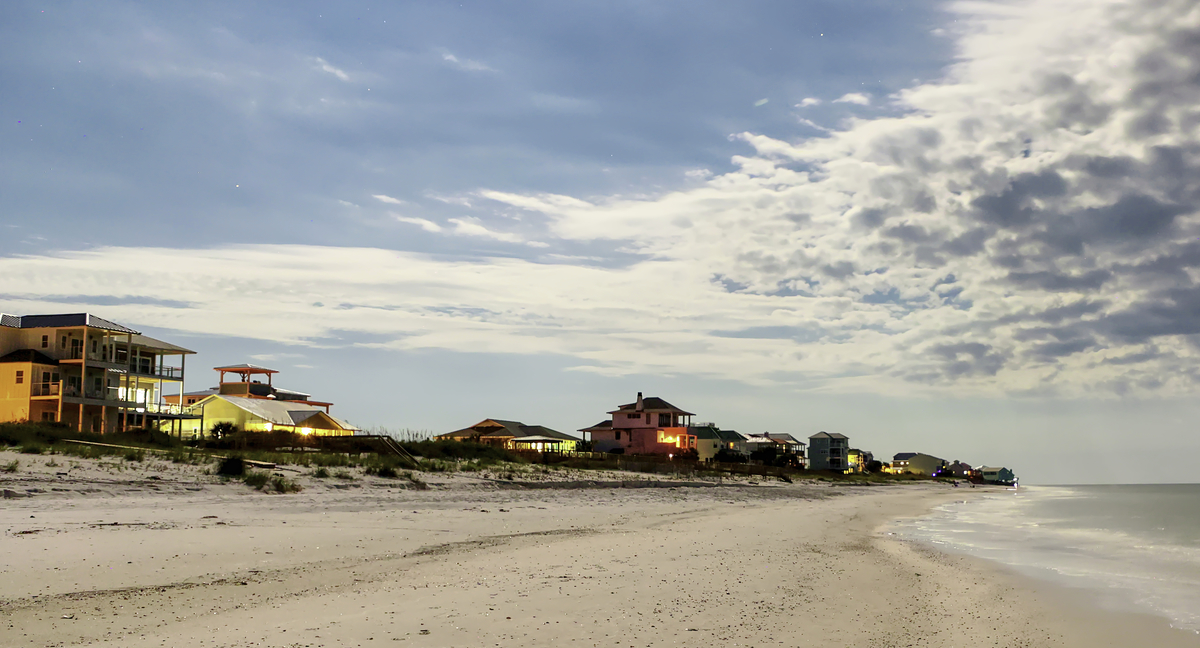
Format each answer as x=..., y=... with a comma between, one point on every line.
x=89, y=373
x=995, y=475
x=247, y=399
x=645, y=426
x=514, y=435
x=916, y=463
x=960, y=469
x=828, y=451
x=708, y=440
x=857, y=460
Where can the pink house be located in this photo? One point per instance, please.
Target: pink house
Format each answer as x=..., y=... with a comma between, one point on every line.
x=646, y=426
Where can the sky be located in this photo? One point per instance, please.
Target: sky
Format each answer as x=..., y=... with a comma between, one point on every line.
x=961, y=228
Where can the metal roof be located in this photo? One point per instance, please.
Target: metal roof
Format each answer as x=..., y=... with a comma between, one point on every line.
x=828, y=435
x=62, y=320
x=277, y=412
x=158, y=345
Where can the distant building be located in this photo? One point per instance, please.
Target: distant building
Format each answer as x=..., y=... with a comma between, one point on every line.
x=960, y=469
x=828, y=451
x=857, y=460
x=993, y=475
x=645, y=426
x=708, y=440
x=916, y=463
x=514, y=435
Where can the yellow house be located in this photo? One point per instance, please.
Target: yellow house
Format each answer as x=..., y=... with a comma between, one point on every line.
x=266, y=415
x=87, y=372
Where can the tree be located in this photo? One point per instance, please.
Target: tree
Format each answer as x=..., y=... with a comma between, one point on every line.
x=874, y=466
x=223, y=429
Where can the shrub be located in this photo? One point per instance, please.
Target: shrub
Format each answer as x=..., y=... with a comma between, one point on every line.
x=11, y=467
x=233, y=466
x=135, y=455
x=343, y=474
x=256, y=479
x=321, y=473
x=223, y=429
x=281, y=484
x=459, y=450
x=33, y=448
x=417, y=482
x=387, y=472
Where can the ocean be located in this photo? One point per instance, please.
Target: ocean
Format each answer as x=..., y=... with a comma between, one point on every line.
x=1135, y=547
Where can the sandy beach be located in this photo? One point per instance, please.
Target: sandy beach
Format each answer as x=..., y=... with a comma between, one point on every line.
x=111, y=553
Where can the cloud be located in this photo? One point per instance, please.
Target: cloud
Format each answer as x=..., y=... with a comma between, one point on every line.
x=388, y=199
x=465, y=64
x=1026, y=224
x=761, y=102
x=854, y=98
x=470, y=226
x=808, y=101
x=324, y=66
x=427, y=225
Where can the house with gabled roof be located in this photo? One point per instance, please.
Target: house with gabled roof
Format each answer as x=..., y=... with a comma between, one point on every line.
x=828, y=451
x=514, y=435
x=645, y=426
x=916, y=463
x=89, y=373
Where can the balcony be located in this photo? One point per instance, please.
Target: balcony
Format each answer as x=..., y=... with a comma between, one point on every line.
x=45, y=389
x=169, y=373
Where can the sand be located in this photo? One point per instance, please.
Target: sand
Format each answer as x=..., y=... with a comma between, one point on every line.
x=115, y=558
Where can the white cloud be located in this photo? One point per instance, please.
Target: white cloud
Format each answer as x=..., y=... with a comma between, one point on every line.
x=465, y=64
x=808, y=101
x=1027, y=224
x=427, y=225
x=854, y=98
x=324, y=66
x=470, y=226
x=388, y=199
x=761, y=102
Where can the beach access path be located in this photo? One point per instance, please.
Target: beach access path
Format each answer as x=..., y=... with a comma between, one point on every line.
x=478, y=564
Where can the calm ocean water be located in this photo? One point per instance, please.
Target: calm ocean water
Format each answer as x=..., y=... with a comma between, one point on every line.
x=1135, y=547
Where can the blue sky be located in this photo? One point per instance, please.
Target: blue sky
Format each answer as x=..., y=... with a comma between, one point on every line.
x=960, y=228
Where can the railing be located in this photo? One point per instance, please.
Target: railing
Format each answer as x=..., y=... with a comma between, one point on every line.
x=162, y=372
x=45, y=389
x=163, y=408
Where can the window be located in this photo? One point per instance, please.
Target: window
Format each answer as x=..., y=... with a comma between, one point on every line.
x=633, y=416
x=45, y=341
x=664, y=420
x=63, y=343
x=20, y=377
x=618, y=435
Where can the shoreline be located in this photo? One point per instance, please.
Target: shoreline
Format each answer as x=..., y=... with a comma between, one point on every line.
x=470, y=564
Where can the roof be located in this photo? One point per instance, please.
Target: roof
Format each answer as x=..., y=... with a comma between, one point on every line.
x=606, y=424
x=158, y=345
x=247, y=368
x=705, y=432
x=828, y=435
x=784, y=437
x=278, y=412
x=515, y=429
x=731, y=435
x=61, y=321
x=28, y=355
x=652, y=403
x=991, y=468
x=903, y=456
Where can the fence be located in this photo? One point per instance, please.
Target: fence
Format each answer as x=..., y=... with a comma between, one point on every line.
x=660, y=464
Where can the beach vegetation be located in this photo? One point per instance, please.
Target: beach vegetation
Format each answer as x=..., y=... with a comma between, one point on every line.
x=416, y=481
x=343, y=474
x=135, y=455
x=281, y=484
x=256, y=478
x=33, y=448
x=11, y=467
x=321, y=473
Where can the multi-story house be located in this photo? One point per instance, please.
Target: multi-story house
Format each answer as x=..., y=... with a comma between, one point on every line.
x=828, y=451
x=247, y=399
x=645, y=426
x=857, y=460
x=87, y=372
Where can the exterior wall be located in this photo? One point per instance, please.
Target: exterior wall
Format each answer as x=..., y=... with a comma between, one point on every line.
x=14, y=398
x=923, y=464
x=606, y=440
x=708, y=448
x=827, y=454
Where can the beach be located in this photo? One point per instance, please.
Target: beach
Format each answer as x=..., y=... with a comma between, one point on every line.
x=155, y=554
